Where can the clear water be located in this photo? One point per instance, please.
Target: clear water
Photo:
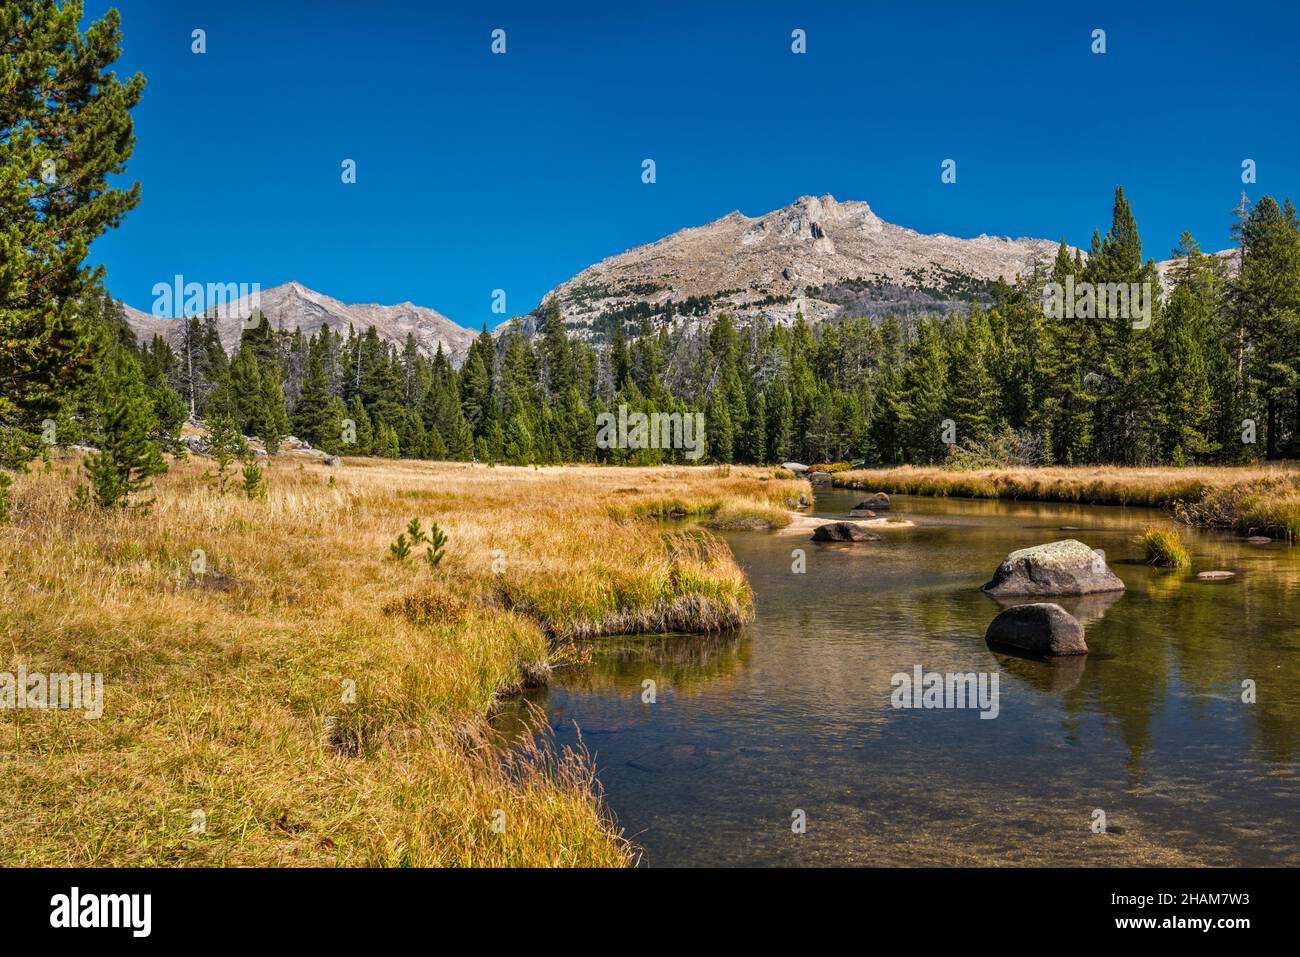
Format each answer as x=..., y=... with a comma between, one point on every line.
x=793, y=712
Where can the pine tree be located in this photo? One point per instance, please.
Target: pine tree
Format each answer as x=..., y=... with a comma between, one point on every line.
x=272, y=421
x=1182, y=370
x=925, y=391
x=226, y=446
x=1266, y=290
x=126, y=458
x=313, y=421
x=66, y=125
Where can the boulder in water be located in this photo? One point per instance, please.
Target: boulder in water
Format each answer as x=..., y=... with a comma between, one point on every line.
x=1067, y=567
x=878, y=502
x=1041, y=628
x=843, y=532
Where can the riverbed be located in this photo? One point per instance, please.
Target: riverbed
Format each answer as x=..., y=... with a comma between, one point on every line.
x=780, y=744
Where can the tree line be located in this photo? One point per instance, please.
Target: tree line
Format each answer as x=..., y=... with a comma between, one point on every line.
x=1212, y=375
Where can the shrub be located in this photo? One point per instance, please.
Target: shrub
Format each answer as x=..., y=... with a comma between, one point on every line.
x=1005, y=449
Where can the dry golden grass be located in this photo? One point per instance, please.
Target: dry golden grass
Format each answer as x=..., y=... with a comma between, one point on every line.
x=1261, y=499
x=1164, y=547
x=226, y=694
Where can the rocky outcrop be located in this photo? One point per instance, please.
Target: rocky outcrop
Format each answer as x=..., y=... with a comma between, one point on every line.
x=1067, y=567
x=1040, y=628
x=843, y=532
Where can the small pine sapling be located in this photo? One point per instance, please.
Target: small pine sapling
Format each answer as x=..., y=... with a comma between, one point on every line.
x=227, y=446
x=437, y=542
x=400, y=548
x=254, y=479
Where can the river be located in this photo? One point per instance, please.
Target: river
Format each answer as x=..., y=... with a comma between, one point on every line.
x=790, y=719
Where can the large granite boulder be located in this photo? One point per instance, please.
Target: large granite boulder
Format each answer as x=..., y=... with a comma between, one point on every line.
x=1041, y=628
x=843, y=532
x=794, y=467
x=878, y=502
x=1067, y=567
x=820, y=479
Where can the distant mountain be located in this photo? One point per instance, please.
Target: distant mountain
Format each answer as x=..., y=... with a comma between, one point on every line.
x=293, y=305
x=818, y=255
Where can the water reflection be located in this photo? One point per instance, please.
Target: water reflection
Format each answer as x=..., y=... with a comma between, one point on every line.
x=793, y=712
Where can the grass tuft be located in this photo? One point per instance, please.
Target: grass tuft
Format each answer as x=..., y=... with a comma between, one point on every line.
x=1164, y=547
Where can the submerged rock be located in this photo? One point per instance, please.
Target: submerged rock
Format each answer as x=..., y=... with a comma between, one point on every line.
x=861, y=513
x=843, y=532
x=1067, y=567
x=1215, y=576
x=1260, y=540
x=1042, y=628
x=879, y=502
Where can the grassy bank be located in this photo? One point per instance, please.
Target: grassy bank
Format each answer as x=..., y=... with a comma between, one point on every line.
x=308, y=700
x=1261, y=499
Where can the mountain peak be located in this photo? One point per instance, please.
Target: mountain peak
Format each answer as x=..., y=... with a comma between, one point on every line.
x=819, y=255
x=292, y=305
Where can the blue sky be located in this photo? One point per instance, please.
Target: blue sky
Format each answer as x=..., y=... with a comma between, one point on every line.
x=478, y=171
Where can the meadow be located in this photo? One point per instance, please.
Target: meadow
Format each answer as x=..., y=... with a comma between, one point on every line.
x=1254, y=499
x=281, y=690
